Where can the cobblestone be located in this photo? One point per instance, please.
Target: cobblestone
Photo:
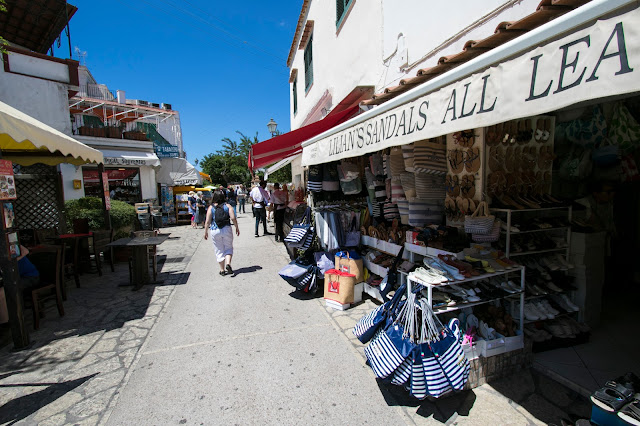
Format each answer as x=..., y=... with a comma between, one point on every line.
x=86, y=354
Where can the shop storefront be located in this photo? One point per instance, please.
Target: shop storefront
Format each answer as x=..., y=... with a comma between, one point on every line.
x=132, y=176
x=533, y=130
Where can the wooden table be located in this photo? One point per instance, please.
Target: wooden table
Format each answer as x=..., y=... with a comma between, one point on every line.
x=140, y=267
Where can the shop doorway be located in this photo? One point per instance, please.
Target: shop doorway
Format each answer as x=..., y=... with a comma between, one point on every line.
x=124, y=184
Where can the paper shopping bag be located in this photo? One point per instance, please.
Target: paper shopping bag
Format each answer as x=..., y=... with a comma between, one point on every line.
x=339, y=286
x=345, y=262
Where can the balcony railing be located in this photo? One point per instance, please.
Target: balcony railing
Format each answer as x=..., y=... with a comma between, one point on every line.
x=97, y=91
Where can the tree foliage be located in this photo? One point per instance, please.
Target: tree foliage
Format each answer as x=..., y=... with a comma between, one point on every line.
x=229, y=164
x=3, y=42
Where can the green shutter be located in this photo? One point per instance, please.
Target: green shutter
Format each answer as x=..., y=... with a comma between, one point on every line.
x=339, y=11
x=308, y=64
x=295, y=96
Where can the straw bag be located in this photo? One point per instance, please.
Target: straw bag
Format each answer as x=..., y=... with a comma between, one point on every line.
x=491, y=237
x=480, y=222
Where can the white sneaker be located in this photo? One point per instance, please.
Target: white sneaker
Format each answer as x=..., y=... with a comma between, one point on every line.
x=553, y=287
x=486, y=331
x=514, y=230
x=569, y=303
x=514, y=286
x=563, y=261
x=543, y=310
x=548, y=307
x=549, y=264
x=530, y=314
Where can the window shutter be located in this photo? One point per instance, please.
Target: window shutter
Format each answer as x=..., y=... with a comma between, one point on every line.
x=295, y=95
x=308, y=64
x=339, y=10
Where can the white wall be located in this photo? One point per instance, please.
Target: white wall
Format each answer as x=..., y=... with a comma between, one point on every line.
x=340, y=61
x=435, y=30
x=69, y=173
x=367, y=51
x=44, y=100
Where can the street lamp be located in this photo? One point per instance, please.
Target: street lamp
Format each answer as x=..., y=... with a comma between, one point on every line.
x=272, y=126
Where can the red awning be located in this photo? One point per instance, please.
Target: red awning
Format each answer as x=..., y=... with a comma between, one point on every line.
x=283, y=146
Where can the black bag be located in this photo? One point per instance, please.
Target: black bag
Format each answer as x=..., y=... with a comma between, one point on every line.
x=221, y=216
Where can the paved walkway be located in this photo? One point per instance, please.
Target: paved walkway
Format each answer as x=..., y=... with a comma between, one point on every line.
x=230, y=350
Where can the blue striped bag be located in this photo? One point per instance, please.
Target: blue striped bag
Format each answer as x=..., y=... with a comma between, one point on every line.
x=301, y=234
x=369, y=324
x=383, y=355
x=448, y=353
x=417, y=385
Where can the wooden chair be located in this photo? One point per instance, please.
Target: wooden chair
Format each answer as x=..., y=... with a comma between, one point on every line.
x=99, y=242
x=48, y=261
x=69, y=265
x=152, y=250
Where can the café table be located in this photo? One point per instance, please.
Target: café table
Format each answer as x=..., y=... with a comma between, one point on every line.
x=140, y=266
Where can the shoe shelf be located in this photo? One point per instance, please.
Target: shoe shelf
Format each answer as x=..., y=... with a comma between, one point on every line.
x=375, y=268
x=560, y=315
x=428, y=291
x=526, y=253
x=503, y=232
x=444, y=309
x=529, y=210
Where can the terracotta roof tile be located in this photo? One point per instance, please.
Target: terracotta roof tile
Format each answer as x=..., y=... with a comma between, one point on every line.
x=294, y=74
x=546, y=11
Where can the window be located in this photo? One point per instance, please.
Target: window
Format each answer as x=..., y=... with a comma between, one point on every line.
x=308, y=65
x=295, y=96
x=342, y=6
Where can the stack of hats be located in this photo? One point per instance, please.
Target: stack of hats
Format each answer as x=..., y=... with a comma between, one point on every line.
x=407, y=154
x=408, y=181
x=430, y=156
x=315, y=178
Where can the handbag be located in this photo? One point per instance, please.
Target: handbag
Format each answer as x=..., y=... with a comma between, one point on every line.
x=301, y=276
x=346, y=262
x=369, y=324
x=352, y=237
x=299, y=234
x=491, y=237
x=339, y=286
x=480, y=222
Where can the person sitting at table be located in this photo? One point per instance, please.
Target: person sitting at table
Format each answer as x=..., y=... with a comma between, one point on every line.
x=29, y=275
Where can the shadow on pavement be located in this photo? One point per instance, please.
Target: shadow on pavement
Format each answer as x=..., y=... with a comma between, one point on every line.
x=301, y=295
x=441, y=410
x=21, y=408
x=246, y=270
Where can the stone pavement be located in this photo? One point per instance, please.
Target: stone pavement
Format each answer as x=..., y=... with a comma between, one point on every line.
x=230, y=350
x=77, y=363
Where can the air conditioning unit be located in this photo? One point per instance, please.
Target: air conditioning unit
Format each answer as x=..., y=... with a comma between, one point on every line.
x=166, y=106
x=154, y=105
x=141, y=102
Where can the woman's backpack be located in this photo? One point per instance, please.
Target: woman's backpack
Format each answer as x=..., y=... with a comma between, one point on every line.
x=221, y=216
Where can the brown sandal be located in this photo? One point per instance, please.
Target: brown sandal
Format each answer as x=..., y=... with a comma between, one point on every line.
x=456, y=161
x=472, y=160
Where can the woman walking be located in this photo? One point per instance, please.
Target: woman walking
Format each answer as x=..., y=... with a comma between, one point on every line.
x=220, y=217
x=231, y=197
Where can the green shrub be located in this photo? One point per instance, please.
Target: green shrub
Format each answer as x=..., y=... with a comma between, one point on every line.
x=122, y=214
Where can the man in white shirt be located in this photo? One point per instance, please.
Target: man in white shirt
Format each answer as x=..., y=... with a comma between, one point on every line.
x=260, y=198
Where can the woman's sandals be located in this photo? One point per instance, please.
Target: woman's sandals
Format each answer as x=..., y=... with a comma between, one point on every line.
x=496, y=158
x=452, y=185
x=468, y=186
x=494, y=135
x=496, y=183
x=456, y=160
x=472, y=160
x=464, y=138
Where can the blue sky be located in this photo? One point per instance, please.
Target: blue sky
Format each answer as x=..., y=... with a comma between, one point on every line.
x=222, y=65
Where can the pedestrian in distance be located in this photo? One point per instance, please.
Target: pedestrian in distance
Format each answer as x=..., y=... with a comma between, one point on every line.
x=220, y=217
x=201, y=206
x=231, y=198
x=242, y=196
x=279, y=200
x=260, y=198
x=192, y=208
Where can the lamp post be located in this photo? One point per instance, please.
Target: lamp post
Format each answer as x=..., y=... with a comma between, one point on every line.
x=272, y=126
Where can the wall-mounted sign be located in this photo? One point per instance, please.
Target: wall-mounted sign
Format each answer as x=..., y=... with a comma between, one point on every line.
x=120, y=161
x=77, y=184
x=166, y=151
x=596, y=62
x=7, y=181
